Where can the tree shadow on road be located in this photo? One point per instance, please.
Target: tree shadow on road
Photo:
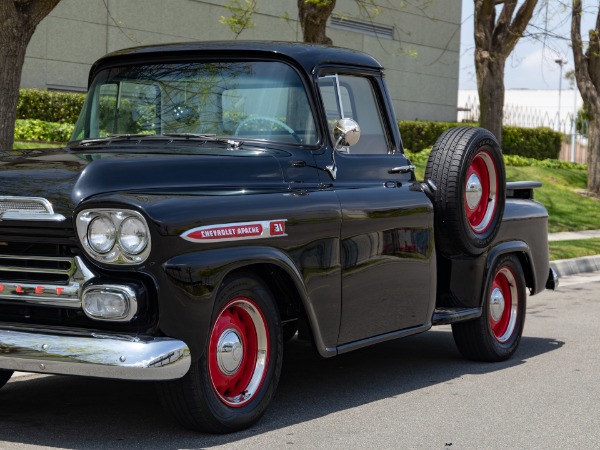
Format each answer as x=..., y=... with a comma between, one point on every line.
x=72, y=412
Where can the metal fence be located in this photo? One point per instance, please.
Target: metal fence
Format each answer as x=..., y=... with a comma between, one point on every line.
x=573, y=129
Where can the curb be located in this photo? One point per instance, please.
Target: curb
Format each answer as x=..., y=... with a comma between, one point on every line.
x=565, y=267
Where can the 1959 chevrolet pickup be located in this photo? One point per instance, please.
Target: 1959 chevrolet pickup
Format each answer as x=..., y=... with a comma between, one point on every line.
x=218, y=198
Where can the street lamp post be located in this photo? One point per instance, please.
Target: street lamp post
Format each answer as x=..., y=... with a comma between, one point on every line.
x=561, y=62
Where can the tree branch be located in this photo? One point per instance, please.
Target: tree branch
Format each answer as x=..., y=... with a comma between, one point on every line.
x=582, y=74
x=515, y=30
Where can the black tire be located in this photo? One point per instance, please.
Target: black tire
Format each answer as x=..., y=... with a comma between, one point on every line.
x=496, y=335
x=230, y=389
x=467, y=166
x=5, y=376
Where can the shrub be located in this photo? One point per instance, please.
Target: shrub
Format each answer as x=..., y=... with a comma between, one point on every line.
x=538, y=143
x=39, y=130
x=417, y=135
x=49, y=106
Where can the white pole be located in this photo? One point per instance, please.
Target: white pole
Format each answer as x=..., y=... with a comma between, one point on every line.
x=561, y=62
x=574, y=123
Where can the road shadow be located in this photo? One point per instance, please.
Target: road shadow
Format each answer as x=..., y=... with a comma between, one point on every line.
x=83, y=413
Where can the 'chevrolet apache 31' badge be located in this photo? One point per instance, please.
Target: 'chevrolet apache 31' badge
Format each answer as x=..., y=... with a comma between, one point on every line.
x=236, y=231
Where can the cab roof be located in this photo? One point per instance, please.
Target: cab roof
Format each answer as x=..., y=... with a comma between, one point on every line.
x=306, y=56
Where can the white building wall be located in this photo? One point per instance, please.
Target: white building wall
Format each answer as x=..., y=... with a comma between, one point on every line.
x=421, y=52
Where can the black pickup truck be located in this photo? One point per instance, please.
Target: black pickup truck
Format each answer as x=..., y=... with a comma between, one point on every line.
x=216, y=199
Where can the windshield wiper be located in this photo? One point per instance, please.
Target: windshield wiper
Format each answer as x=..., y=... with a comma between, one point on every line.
x=207, y=137
x=232, y=144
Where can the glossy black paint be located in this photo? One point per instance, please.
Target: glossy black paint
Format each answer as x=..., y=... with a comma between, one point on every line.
x=358, y=260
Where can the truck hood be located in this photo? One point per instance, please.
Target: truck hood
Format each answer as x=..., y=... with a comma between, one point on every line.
x=67, y=178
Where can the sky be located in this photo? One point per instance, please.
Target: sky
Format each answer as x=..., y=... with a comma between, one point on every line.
x=532, y=64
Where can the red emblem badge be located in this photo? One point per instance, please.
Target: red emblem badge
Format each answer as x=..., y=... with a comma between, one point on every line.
x=236, y=231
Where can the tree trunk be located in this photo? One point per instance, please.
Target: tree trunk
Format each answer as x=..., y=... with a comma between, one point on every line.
x=496, y=34
x=593, y=159
x=490, y=86
x=10, y=79
x=587, y=74
x=18, y=20
x=313, y=19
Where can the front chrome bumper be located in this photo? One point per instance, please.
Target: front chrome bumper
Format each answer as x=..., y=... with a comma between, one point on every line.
x=92, y=354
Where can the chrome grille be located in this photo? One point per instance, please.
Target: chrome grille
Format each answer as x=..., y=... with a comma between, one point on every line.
x=52, y=281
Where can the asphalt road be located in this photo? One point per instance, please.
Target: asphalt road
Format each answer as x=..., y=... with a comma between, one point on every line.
x=412, y=393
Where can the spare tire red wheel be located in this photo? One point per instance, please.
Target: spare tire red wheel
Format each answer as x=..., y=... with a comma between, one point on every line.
x=467, y=167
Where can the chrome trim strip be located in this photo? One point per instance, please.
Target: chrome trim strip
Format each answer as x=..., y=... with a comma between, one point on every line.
x=13, y=215
x=123, y=357
x=49, y=294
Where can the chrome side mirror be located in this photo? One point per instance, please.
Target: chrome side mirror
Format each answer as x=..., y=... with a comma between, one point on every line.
x=346, y=133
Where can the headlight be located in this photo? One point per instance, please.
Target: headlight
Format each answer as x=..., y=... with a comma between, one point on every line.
x=117, y=236
x=133, y=235
x=101, y=234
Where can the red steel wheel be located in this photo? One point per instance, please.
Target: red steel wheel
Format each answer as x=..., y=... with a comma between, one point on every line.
x=504, y=304
x=238, y=352
x=238, y=364
x=481, y=190
x=496, y=334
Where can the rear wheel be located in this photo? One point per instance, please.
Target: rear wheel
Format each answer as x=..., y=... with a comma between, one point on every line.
x=467, y=167
x=5, y=376
x=496, y=335
x=230, y=387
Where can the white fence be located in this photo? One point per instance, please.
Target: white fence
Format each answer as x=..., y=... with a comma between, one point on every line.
x=575, y=132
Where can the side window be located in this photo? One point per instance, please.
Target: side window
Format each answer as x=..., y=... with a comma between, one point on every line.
x=347, y=96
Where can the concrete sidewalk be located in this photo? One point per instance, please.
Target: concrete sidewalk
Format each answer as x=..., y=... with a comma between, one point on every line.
x=574, y=266
x=573, y=235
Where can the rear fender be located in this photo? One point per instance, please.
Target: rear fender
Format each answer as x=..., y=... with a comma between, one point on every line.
x=478, y=270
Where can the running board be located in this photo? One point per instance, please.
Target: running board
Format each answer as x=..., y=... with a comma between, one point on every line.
x=444, y=316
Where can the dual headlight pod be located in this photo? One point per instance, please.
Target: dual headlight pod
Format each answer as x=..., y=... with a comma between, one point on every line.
x=117, y=236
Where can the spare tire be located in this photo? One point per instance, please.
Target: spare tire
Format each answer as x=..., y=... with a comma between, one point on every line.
x=467, y=167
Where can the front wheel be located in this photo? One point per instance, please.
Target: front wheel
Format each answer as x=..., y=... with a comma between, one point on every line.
x=231, y=385
x=5, y=376
x=496, y=334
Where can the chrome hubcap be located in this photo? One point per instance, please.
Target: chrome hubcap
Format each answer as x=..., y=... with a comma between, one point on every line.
x=230, y=351
x=496, y=304
x=474, y=191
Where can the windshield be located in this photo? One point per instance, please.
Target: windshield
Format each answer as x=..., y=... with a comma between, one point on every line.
x=242, y=100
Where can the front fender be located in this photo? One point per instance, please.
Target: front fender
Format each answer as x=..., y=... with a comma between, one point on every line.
x=198, y=275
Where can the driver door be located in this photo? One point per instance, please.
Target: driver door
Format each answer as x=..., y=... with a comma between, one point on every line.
x=387, y=256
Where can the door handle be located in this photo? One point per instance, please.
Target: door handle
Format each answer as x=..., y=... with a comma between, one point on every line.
x=402, y=169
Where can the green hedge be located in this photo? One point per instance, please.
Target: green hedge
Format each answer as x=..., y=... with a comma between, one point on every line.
x=538, y=143
x=420, y=158
x=39, y=130
x=49, y=106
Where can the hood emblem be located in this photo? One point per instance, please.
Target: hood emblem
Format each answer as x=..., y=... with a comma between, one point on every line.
x=27, y=208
